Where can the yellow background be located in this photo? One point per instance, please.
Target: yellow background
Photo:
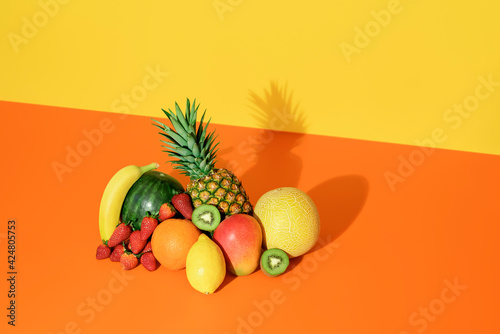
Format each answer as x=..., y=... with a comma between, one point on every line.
x=396, y=89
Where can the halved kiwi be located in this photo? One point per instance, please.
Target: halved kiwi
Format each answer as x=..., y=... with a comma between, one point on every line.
x=206, y=217
x=274, y=262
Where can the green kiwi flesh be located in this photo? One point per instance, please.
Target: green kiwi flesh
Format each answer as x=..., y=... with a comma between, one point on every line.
x=274, y=262
x=206, y=217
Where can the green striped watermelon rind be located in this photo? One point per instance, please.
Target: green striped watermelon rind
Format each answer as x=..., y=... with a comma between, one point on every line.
x=147, y=194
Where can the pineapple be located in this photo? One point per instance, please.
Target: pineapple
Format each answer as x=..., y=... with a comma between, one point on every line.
x=195, y=152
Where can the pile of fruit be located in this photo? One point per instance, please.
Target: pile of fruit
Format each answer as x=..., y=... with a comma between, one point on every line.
x=209, y=228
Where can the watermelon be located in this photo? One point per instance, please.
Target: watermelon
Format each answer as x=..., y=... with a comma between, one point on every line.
x=147, y=194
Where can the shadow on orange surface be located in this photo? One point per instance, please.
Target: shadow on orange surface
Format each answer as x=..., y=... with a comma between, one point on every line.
x=276, y=165
x=339, y=201
x=227, y=280
x=294, y=262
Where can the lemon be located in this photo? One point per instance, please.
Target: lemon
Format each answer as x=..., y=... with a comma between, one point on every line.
x=289, y=220
x=205, y=265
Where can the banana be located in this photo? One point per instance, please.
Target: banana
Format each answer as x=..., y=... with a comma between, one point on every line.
x=114, y=195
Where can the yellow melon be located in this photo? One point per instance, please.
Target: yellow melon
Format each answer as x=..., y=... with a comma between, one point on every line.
x=289, y=220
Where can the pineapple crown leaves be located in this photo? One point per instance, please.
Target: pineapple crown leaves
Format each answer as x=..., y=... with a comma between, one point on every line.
x=194, y=151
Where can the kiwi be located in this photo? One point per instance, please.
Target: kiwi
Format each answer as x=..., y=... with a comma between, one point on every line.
x=274, y=262
x=206, y=217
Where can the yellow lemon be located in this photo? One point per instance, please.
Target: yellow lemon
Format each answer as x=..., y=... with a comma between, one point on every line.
x=289, y=220
x=205, y=265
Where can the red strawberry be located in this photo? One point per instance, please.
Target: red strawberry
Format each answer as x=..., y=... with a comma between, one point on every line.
x=148, y=225
x=136, y=242
x=103, y=252
x=167, y=211
x=117, y=253
x=120, y=234
x=182, y=203
x=147, y=248
x=128, y=261
x=149, y=261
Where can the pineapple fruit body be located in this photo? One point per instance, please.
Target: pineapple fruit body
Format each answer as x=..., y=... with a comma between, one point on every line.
x=222, y=189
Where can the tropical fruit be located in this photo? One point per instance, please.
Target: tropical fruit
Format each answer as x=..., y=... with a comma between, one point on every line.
x=205, y=265
x=289, y=220
x=274, y=262
x=147, y=194
x=148, y=225
x=149, y=261
x=114, y=194
x=183, y=204
x=206, y=217
x=120, y=234
x=240, y=239
x=171, y=241
x=166, y=211
x=117, y=253
x=128, y=261
x=194, y=151
x=102, y=252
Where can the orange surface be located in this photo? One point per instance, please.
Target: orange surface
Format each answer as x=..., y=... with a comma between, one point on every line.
x=421, y=256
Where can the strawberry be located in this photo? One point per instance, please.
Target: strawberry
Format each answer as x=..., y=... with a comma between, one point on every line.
x=182, y=203
x=117, y=253
x=166, y=211
x=136, y=242
x=147, y=248
x=148, y=225
x=149, y=261
x=120, y=234
x=103, y=252
x=128, y=261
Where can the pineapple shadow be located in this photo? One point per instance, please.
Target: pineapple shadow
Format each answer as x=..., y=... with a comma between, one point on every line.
x=282, y=125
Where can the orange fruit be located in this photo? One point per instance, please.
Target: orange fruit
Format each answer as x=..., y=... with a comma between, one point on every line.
x=171, y=241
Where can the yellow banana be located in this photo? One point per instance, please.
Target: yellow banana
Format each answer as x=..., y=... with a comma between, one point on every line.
x=114, y=195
